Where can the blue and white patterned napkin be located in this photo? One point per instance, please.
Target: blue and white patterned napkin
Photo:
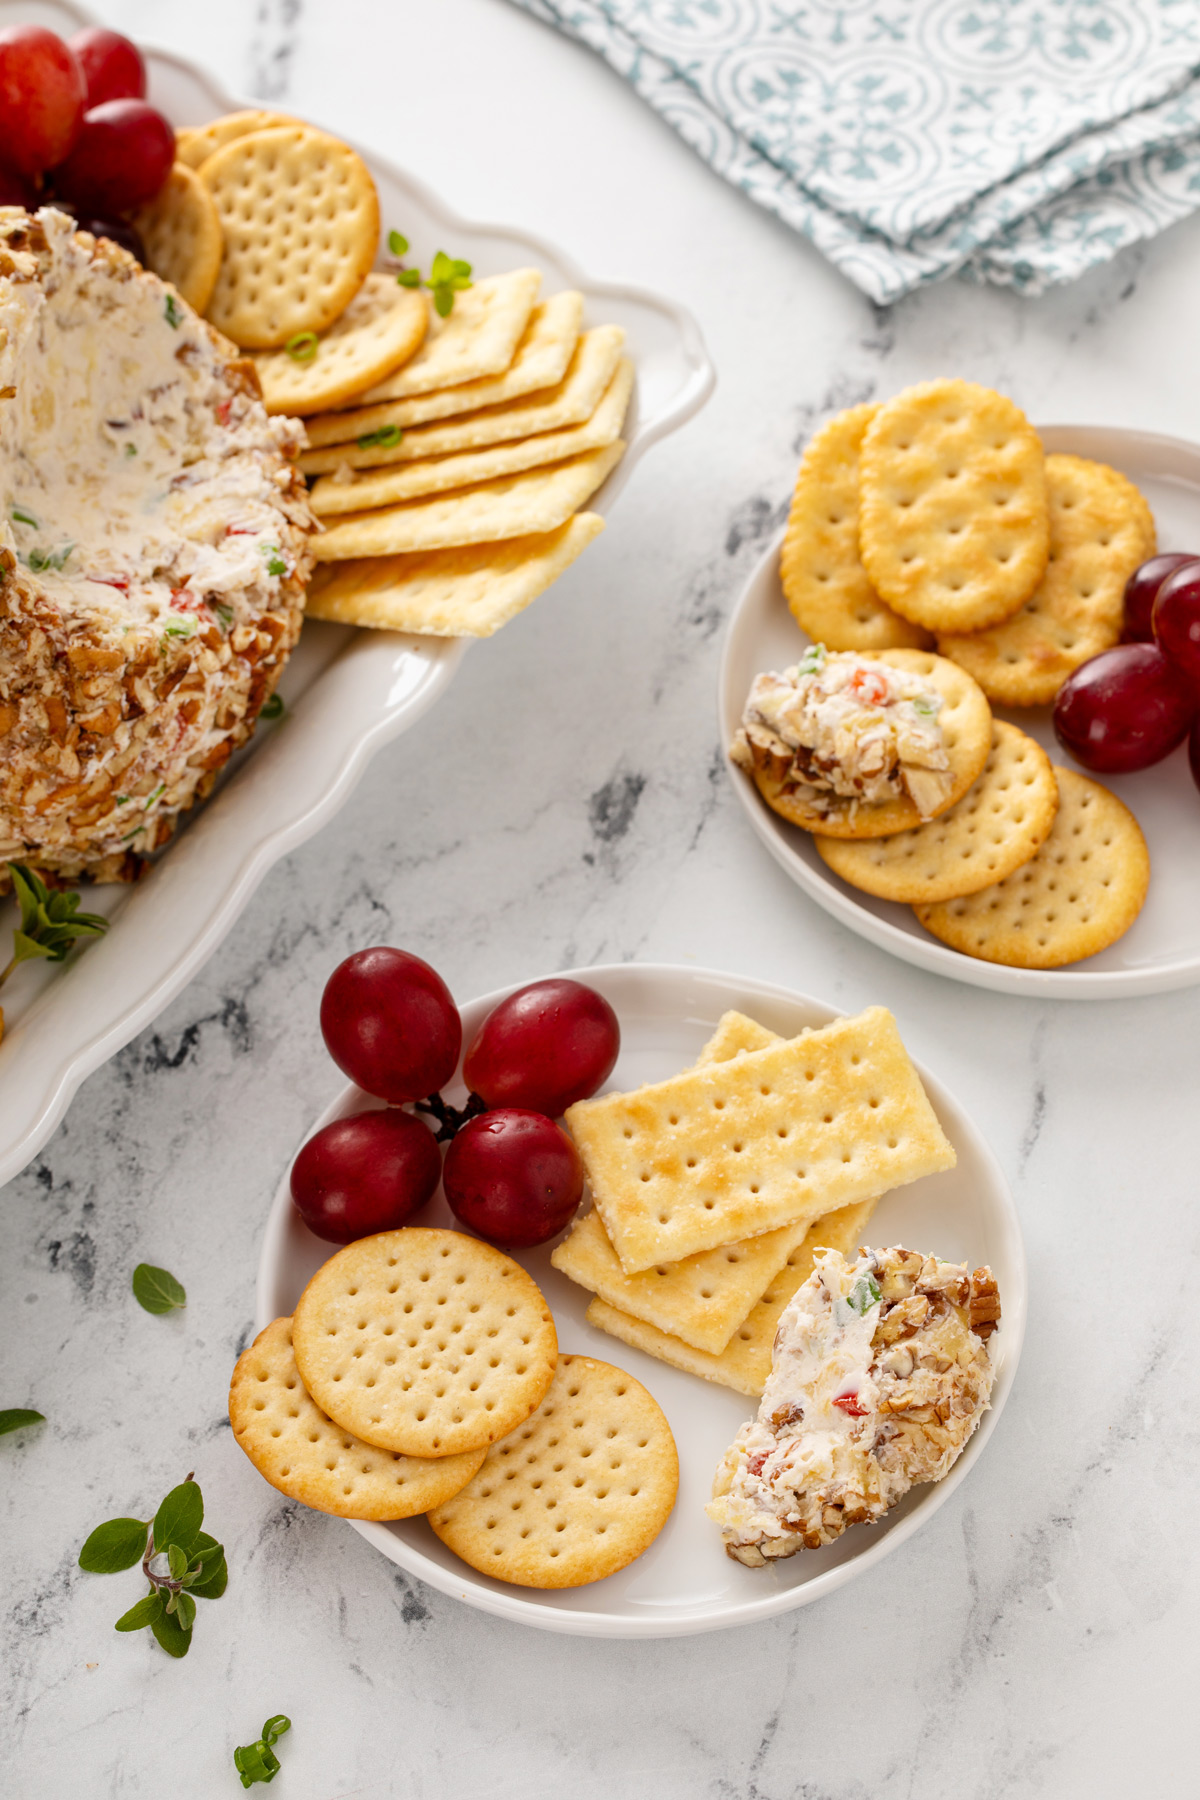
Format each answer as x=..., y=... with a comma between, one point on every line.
x=1021, y=141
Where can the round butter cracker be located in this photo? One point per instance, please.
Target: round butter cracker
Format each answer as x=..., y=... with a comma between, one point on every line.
x=1000, y=822
x=1080, y=893
x=301, y=221
x=954, y=529
x=426, y=1342
x=583, y=1487
x=194, y=144
x=182, y=235
x=300, y=1451
x=1101, y=528
x=966, y=722
x=826, y=587
x=381, y=328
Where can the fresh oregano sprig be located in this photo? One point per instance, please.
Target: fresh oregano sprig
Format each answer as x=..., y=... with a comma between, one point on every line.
x=182, y=1564
x=448, y=275
x=258, y=1761
x=50, y=922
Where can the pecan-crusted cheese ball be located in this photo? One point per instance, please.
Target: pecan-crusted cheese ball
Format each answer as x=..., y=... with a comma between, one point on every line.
x=880, y=1374
x=153, y=551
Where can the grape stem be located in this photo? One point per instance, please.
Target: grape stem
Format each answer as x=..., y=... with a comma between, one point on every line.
x=451, y=1119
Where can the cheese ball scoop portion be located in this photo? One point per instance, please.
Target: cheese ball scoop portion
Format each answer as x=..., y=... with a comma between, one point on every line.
x=881, y=1372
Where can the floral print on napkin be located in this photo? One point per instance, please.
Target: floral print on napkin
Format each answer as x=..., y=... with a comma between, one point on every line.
x=1021, y=141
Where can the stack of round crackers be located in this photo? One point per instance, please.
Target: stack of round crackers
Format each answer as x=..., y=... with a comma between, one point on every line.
x=420, y=1373
x=935, y=519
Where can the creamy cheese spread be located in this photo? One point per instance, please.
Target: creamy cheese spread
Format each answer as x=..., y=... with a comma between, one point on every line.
x=154, y=531
x=839, y=727
x=880, y=1373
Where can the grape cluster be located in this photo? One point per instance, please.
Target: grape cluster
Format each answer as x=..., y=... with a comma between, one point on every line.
x=511, y=1174
x=1130, y=706
x=75, y=128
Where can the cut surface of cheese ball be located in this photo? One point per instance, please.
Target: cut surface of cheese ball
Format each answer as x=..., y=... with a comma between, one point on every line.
x=153, y=551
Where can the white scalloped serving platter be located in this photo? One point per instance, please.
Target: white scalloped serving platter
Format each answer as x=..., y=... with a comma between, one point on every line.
x=685, y=1583
x=348, y=692
x=1161, y=949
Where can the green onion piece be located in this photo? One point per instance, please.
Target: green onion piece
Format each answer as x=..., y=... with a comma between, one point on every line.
x=272, y=708
x=303, y=347
x=864, y=1294
x=386, y=438
x=173, y=314
x=24, y=518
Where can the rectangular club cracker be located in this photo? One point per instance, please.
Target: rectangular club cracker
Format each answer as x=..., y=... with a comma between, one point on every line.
x=468, y=591
x=735, y=1033
x=745, y=1362
x=703, y=1298
x=766, y=1139
x=574, y=399
x=538, y=501
x=540, y=361
x=386, y=487
x=478, y=337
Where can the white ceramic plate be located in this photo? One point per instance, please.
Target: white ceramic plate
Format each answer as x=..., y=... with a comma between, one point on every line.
x=1162, y=949
x=348, y=693
x=685, y=1583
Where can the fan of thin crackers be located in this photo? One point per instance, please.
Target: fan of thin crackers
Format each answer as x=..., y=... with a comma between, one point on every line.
x=714, y=1189
x=935, y=517
x=453, y=453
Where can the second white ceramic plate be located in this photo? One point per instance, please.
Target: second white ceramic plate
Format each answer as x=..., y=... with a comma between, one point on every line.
x=1162, y=948
x=685, y=1583
x=348, y=693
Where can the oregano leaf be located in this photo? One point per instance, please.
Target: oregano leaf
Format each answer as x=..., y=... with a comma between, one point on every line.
x=157, y=1289
x=141, y=1615
x=171, y=1635
x=177, y=1561
x=115, y=1545
x=179, y=1518
x=15, y=1417
x=185, y=1610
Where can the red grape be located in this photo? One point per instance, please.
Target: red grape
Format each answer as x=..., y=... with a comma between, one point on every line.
x=1141, y=591
x=544, y=1047
x=122, y=157
x=1124, y=709
x=1194, y=752
x=112, y=66
x=513, y=1176
x=15, y=190
x=1177, y=621
x=42, y=98
x=390, y=1024
x=365, y=1174
x=120, y=231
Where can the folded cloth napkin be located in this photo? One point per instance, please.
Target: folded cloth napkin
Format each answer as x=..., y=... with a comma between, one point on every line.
x=1021, y=141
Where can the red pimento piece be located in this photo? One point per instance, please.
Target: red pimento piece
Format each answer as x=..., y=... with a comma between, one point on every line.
x=754, y=1464
x=849, y=1403
x=223, y=412
x=869, y=687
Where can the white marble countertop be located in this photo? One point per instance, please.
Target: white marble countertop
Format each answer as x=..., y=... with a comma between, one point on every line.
x=566, y=804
